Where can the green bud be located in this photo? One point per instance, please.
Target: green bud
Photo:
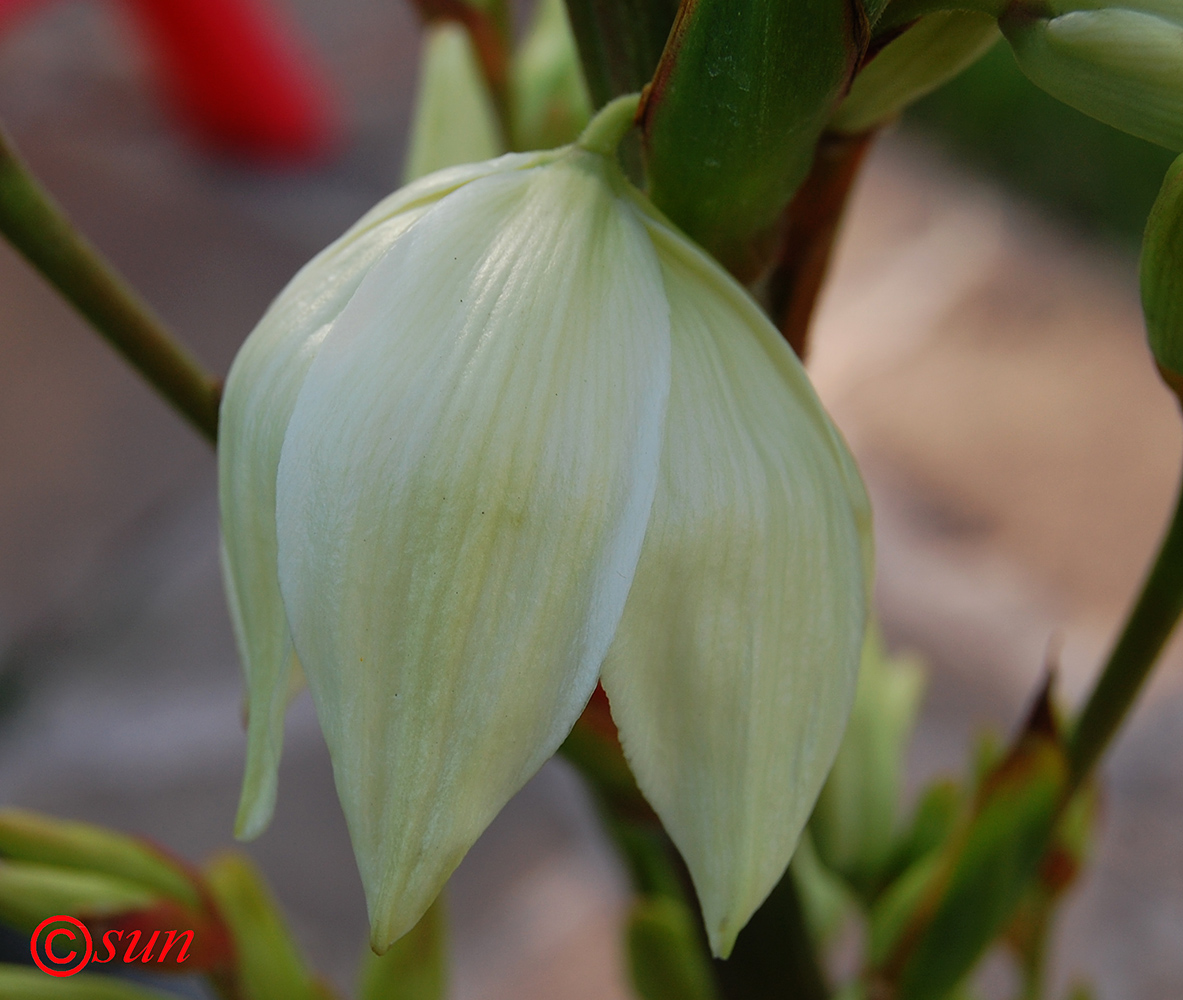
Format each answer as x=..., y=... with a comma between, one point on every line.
x=1168, y=10
x=30, y=892
x=666, y=952
x=415, y=966
x=550, y=100
x=27, y=836
x=270, y=966
x=1122, y=67
x=455, y=121
x=925, y=56
x=1162, y=277
x=21, y=983
x=854, y=821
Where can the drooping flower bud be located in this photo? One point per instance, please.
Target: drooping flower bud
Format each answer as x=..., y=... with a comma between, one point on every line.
x=1122, y=67
x=511, y=434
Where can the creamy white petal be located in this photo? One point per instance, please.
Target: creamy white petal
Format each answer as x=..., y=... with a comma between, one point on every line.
x=256, y=406
x=462, y=496
x=733, y=670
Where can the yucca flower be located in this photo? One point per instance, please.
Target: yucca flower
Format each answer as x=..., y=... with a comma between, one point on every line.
x=510, y=435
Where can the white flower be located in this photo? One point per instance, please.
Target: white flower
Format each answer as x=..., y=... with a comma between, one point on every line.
x=511, y=434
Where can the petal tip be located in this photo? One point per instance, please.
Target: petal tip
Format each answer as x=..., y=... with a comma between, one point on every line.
x=722, y=940
x=255, y=809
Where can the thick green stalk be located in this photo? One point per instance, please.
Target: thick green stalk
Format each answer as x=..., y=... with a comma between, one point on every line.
x=36, y=227
x=619, y=42
x=1146, y=632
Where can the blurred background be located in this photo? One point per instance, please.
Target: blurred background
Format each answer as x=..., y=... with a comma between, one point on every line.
x=980, y=344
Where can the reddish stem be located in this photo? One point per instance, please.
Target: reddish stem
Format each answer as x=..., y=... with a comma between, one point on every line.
x=811, y=227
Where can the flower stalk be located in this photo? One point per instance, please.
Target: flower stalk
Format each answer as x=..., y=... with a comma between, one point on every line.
x=39, y=229
x=1149, y=626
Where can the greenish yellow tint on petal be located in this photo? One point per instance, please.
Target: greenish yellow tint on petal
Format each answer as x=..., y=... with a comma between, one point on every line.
x=256, y=406
x=1122, y=67
x=733, y=670
x=462, y=495
x=454, y=119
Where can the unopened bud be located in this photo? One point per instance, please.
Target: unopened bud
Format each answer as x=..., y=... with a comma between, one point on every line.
x=925, y=56
x=550, y=99
x=854, y=820
x=1162, y=277
x=1122, y=67
x=455, y=121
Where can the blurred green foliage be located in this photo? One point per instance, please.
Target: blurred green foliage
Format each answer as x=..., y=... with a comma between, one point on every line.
x=996, y=120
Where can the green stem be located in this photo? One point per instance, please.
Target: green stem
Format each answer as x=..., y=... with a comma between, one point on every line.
x=37, y=228
x=610, y=125
x=1146, y=632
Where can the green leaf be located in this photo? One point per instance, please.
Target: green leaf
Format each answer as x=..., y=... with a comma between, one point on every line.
x=30, y=892
x=667, y=952
x=270, y=966
x=735, y=110
x=619, y=42
x=22, y=983
x=934, y=820
x=415, y=967
x=988, y=868
x=1162, y=275
x=28, y=836
x=896, y=909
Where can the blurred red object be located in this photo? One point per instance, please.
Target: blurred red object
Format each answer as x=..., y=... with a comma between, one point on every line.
x=234, y=73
